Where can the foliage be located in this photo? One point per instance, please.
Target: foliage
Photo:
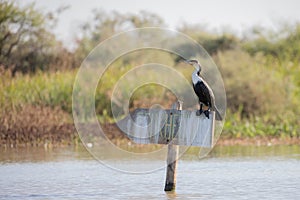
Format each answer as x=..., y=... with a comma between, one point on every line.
x=262, y=125
x=213, y=43
x=281, y=46
x=281, y=53
x=260, y=72
x=44, y=89
x=26, y=45
x=253, y=86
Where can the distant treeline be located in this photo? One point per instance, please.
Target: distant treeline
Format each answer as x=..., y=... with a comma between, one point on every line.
x=28, y=45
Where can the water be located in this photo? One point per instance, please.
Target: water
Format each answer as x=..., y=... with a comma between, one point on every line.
x=228, y=173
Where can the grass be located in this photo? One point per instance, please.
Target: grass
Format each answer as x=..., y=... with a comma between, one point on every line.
x=262, y=126
x=43, y=89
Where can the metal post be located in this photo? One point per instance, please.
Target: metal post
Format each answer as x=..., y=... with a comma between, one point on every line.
x=172, y=162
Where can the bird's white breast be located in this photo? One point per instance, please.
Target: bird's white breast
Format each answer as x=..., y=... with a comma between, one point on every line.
x=195, y=77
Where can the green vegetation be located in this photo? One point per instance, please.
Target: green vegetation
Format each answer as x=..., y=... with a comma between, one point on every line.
x=261, y=72
x=42, y=89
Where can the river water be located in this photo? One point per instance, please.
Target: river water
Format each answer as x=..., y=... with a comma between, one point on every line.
x=227, y=173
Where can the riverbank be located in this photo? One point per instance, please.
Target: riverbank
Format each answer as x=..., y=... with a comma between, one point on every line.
x=257, y=141
x=42, y=126
x=65, y=134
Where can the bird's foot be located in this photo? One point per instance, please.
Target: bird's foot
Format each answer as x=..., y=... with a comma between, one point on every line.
x=199, y=112
x=206, y=113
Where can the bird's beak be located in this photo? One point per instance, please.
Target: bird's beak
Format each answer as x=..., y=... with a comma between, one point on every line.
x=197, y=67
x=185, y=61
x=191, y=63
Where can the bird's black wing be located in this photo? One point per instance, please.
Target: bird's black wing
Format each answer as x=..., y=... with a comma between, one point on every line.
x=206, y=96
x=203, y=93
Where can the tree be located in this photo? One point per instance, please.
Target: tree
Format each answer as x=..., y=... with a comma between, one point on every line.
x=105, y=25
x=282, y=45
x=213, y=43
x=26, y=45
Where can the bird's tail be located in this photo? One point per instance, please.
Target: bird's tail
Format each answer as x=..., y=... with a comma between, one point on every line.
x=218, y=115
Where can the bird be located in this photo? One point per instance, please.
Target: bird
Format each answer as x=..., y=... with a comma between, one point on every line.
x=203, y=91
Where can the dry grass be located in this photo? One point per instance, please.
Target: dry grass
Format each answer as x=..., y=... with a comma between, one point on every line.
x=36, y=126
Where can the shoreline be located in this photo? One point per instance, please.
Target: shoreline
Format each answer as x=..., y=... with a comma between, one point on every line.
x=64, y=135
x=257, y=141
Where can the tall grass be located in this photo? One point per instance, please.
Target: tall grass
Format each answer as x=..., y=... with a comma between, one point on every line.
x=45, y=89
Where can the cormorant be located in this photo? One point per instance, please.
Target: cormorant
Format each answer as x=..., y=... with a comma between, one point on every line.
x=203, y=91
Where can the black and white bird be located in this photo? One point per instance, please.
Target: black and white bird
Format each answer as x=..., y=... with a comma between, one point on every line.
x=203, y=91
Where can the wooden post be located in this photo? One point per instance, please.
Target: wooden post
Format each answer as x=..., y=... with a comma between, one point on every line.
x=172, y=161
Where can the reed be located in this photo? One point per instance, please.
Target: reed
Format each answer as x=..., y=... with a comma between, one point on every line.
x=44, y=89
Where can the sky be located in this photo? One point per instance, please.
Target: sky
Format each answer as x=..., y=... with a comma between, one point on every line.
x=234, y=15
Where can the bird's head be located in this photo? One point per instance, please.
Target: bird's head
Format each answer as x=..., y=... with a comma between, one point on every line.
x=194, y=63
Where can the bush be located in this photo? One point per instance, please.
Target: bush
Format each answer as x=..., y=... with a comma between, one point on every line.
x=252, y=87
